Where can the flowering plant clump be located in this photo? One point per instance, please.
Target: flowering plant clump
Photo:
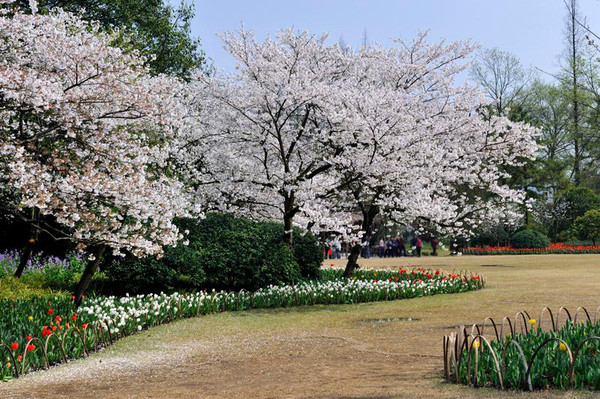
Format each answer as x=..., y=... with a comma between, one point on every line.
x=562, y=358
x=46, y=331
x=553, y=248
x=53, y=271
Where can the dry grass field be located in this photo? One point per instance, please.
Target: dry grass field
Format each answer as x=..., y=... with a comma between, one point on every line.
x=375, y=350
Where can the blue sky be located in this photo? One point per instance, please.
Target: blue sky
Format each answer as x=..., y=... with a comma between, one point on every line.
x=531, y=29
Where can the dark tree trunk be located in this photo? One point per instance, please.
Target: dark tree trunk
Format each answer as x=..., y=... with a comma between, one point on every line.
x=368, y=214
x=29, y=247
x=288, y=234
x=352, y=260
x=288, y=216
x=25, y=256
x=88, y=273
x=574, y=70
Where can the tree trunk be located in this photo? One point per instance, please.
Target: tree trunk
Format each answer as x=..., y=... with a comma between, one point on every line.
x=34, y=232
x=288, y=234
x=577, y=133
x=288, y=216
x=369, y=214
x=352, y=260
x=88, y=273
x=25, y=256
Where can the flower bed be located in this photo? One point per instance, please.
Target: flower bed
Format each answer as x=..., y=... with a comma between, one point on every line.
x=44, y=331
x=553, y=248
x=559, y=357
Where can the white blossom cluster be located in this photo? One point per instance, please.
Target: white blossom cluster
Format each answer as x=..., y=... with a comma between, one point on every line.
x=303, y=132
x=86, y=134
x=310, y=133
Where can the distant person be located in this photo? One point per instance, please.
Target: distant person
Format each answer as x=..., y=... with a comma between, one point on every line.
x=401, y=246
x=395, y=244
x=381, y=248
x=366, y=248
x=434, y=245
x=419, y=245
x=388, y=247
x=337, y=249
x=413, y=245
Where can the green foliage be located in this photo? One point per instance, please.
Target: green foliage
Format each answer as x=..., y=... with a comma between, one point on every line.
x=493, y=236
x=566, y=236
x=306, y=248
x=156, y=28
x=135, y=275
x=529, y=239
x=551, y=367
x=45, y=271
x=13, y=288
x=235, y=253
x=224, y=252
x=308, y=253
x=588, y=226
x=575, y=202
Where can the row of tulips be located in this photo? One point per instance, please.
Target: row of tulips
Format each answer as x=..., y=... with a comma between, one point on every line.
x=553, y=248
x=561, y=358
x=42, y=332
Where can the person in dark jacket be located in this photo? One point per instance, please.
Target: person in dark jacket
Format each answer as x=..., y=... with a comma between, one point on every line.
x=434, y=245
x=401, y=246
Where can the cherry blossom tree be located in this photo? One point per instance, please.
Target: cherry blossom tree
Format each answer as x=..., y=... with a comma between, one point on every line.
x=312, y=133
x=271, y=148
x=419, y=150
x=87, y=137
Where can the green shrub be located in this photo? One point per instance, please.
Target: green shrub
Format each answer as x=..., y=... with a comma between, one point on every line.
x=306, y=247
x=14, y=288
x=566, y=236
x=308, y=253
x=588, y=226
x=529, y=239
x=235, y=253
x=138, y=276
x=224, y=252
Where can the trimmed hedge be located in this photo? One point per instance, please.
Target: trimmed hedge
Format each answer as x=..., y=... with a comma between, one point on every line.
x=224, y=252
x=530, y=239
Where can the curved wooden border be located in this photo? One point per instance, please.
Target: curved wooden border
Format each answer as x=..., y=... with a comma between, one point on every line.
x=494, y=356
x=572, y=371
x=456, y=343
x=547, y=310
x=539, y=348
x=523, y=362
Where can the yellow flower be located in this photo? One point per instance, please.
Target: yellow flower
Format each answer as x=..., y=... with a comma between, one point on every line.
x=476, y=344
x=362, y=276
x=532, y=322
x=367, y=267
x=562, y=347
x=375, y=274
x=30, y=318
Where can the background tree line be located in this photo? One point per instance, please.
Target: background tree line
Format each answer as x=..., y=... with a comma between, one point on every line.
x=563, y=183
